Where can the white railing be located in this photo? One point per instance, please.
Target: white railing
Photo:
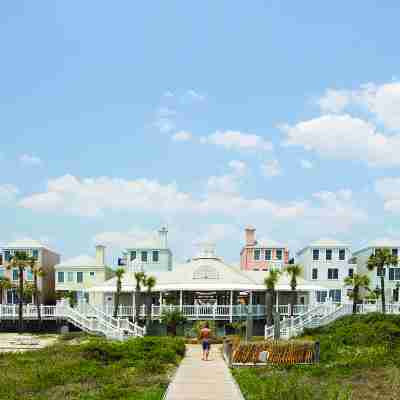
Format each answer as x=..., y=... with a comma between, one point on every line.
x=29, y=311
x=123, y=325
x=204, y=311
x=324, y=314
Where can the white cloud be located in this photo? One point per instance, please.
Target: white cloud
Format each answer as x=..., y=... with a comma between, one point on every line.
x=382, y=100
x=306, y=164
x=8, y=193
x=235, y=140
x=182, y=136
x=271, y=168
x=345, y=137
x=239, y=167
x=29, y=159
x=389, y=190
x=193, y=96
x=334, y=101
x=217, y=232
x=92, y=196
x=122, y=240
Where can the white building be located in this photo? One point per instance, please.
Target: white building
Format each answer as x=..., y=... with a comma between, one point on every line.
x=80, y=273
x=391, y=273
x=205, y=288
x=327, y=262
x=149, y=255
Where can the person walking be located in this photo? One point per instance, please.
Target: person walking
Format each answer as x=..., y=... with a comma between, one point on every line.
x=205, y=337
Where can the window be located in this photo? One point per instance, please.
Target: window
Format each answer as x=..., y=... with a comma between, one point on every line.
x=351, y=272
x=279, y=254
x=156, y=256
x=133, y=255
x=70, y=276
x=268, y=254
x=342, y=254
x=257, y=254
x=395, y=252
x=314, y=273
x=15, y=274
x=315, y=254
x=335, y=295
x=60, y=277
x=333, y=273
x=7, y=255
x=381, y=272
x=321, y=296
x=35, y=254
x=394, y=274
x=92, y=274
x=144, y=256
x=79, y=277
x=328, y=254
x=29, y=275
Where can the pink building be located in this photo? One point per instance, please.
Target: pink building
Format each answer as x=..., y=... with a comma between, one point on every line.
x=261, y=256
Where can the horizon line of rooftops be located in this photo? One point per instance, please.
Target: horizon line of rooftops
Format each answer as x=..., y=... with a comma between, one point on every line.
x=252, y=252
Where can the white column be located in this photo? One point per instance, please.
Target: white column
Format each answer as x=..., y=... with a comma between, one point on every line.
x=277, y=301
x=181, y=300
x=231, y=307
x=160, y=303
x=134, y=305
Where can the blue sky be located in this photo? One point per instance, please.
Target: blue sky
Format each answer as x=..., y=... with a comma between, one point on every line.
x=116, y=118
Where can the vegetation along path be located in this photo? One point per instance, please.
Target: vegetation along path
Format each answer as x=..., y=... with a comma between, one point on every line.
x=203, y=380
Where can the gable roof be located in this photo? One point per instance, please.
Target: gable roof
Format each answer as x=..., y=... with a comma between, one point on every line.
x=380, y=243
x=325, y=243
x=80, y=261
x=26, y=244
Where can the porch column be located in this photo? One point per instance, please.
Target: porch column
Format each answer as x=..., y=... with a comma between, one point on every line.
x=134, y=306
x=181, y=300
x=231, y=307
x=277, y=301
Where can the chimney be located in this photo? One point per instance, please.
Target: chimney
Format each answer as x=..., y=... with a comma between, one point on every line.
x=163, y=234
x=250, y=236
x=100, y=254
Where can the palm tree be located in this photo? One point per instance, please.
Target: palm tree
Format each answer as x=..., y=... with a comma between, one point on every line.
x=5, y=284
x=36, y=272
x=139, y=277
x=378, y=261
x=20, y=260
x=172, y=318
x=357, y=282
x=149, y=282
x=270, y=282
x=294, y=271
x=119, y=273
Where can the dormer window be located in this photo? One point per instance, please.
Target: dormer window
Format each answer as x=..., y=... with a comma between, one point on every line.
x=328, y=254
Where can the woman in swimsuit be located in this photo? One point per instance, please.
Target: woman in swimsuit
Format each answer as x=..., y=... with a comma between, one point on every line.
x=205, y=336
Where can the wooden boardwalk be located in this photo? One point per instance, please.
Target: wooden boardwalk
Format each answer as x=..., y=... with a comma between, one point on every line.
x=203, y=380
